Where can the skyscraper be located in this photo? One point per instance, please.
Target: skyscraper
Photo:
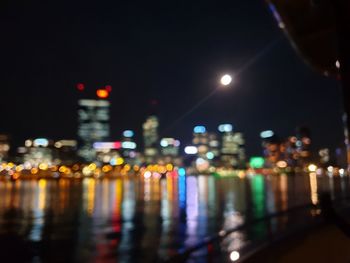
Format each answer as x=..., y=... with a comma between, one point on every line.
x=150, y=137
x=93, y=125
x=232, y=147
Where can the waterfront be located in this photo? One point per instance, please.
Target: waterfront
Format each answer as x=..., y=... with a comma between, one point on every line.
x=142, y=220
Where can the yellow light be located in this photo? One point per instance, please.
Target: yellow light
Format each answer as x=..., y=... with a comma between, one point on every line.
x=169, y=167
x=92, y=166
x=43, y=166
x=119, y=161
x=10, y=165
x=136, y=168
x=162, y=169
x=312, y=168
x=75, y=167
x=62, y=169
x=86, y=171
x=19, y=168
x=127, y=167
x=34, y=170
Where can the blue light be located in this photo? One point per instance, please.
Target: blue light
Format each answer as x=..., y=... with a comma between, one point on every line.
x=128, y=133
x=266, y=134
x=182, y=190
x=41, y=142
x=182, y=171
x=210, y=155
x=199, y=129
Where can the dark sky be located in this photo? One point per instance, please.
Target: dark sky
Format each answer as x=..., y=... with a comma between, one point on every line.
x=171, y=51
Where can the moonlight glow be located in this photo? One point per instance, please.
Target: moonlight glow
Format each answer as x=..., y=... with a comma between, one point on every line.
x=226, y=80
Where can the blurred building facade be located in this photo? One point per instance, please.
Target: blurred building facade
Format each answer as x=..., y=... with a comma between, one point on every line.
x=151, y=138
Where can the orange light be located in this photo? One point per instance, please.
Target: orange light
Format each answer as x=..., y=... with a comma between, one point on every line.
x=102, y=93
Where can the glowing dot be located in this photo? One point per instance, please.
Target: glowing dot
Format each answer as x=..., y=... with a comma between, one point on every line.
x=226, y=80
x=147, y=174
x=108, y=88
x=169, y=167
x=234, y=256
x=281, y=164
x=210, y=155
x=312, y=168
x=80, y=86
x=337, y=64
x=102, y=93
x=182, y=171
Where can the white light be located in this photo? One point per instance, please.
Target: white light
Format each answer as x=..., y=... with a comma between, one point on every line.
x=337, y=64
x=234, y=256
x=164, y=143
x=225, y=127
x=266, y=134
x=200, y=161
x=41, y=142
x=128, y=145
x=191, y=150
x=282, y=164
x=93, y=103
x=226, y=80
x=312, y=168
x=147, y=174
x=58, y=144
x=103, y=145
x=28, y=143
x=330, y=169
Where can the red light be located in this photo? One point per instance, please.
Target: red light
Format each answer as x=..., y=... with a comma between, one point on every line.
x=117, y=145
x=102, y=93
x=80, y=86
x=108, y=88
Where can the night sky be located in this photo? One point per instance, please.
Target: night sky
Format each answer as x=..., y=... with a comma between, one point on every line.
x=169, y=52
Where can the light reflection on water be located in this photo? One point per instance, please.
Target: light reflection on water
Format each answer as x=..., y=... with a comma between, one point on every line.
x=129, y=219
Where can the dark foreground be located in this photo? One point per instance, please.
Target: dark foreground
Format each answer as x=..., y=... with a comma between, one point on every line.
x=137, y=220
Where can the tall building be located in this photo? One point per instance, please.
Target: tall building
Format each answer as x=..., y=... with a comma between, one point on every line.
x=150, y=138
x=232, y=147
x=38, y=151
x=201, y=140
x=93, y=125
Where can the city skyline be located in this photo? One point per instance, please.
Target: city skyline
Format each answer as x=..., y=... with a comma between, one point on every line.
x=174, y=65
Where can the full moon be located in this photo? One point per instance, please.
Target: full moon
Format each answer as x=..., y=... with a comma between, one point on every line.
x=226, y=80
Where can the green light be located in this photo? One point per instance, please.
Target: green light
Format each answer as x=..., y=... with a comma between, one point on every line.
x=257, y=162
